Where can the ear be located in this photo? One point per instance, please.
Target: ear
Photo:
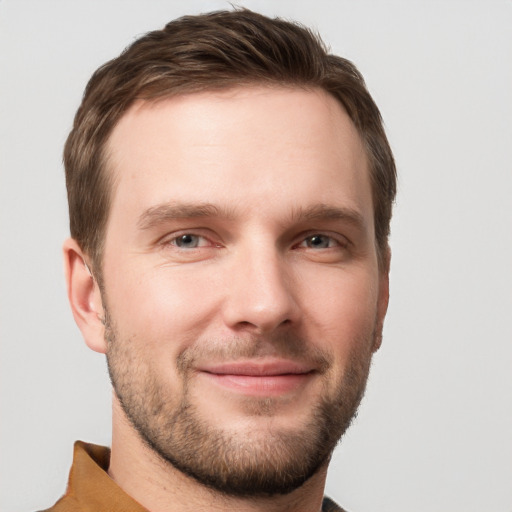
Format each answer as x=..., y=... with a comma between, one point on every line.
x=383, y=297
x=84, y=297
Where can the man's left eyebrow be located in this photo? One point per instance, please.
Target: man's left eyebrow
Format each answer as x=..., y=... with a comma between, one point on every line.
x=328, y=212
x=167, y=212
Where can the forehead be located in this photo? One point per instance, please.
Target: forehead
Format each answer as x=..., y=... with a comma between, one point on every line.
x=248, y=146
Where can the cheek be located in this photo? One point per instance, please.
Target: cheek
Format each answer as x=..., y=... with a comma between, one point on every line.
x=342, y=323
x=342, y=315
x=165, y=307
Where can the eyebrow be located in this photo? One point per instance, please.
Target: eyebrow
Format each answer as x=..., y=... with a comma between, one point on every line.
x=163, y=213
x=328, y=212
x=160, y=214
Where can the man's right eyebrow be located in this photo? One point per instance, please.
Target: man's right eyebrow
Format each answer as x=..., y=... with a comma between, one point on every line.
x=167, y=212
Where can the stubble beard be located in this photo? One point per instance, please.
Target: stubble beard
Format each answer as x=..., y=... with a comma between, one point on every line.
x=241, y=464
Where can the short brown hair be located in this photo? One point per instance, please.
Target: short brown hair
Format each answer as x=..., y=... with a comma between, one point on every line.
x=212, y=51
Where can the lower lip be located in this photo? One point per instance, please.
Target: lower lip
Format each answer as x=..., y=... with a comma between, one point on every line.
x=260, y=385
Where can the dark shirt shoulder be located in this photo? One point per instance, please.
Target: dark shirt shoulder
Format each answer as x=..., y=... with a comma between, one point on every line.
x=330, y=506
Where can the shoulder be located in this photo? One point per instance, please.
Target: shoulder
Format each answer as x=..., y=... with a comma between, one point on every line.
x=329, y=505
x=65, y=504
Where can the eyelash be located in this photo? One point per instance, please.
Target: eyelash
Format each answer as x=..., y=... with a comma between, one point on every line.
x=338, y=241
x=174, y=240
x=330, y=239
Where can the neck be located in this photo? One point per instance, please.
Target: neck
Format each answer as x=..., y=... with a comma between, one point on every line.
x=160, y=487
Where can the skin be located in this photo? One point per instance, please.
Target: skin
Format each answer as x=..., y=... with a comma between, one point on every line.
x=286, y=250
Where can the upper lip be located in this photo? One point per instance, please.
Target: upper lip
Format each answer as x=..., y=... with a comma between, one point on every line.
x=258, y=368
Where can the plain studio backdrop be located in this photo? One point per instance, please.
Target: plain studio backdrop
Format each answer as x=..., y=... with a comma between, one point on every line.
x=434, y=432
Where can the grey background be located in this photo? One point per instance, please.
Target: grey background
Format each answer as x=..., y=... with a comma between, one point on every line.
x=435, y=430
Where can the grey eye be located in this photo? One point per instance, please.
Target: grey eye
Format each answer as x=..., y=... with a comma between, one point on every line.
x=187, y=241
x=318, y=242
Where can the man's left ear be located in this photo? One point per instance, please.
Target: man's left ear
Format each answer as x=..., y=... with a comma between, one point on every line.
x=84, y=296
x=383, y=297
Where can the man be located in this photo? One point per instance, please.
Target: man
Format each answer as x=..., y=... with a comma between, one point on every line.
x=230, y=189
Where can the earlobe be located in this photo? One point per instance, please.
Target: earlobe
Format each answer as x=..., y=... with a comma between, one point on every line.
x=84, y=296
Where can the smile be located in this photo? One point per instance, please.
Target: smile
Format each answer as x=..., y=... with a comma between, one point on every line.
x=255, y=378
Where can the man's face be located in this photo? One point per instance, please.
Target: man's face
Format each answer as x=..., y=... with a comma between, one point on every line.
x=241, y=283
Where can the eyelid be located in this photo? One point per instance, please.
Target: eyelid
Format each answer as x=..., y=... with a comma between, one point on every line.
x=340, y=239
x=215, y=241
x=167, y=239
x=174, y=241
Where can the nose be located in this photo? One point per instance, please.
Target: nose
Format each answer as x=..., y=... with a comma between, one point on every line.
x=260, y=292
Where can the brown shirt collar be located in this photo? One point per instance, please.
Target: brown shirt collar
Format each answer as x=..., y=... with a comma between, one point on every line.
x=90, y=489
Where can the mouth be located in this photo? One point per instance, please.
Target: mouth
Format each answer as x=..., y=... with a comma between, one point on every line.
x=259, y=378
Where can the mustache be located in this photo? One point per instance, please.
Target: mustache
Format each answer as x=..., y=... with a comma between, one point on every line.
x=283, y=346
